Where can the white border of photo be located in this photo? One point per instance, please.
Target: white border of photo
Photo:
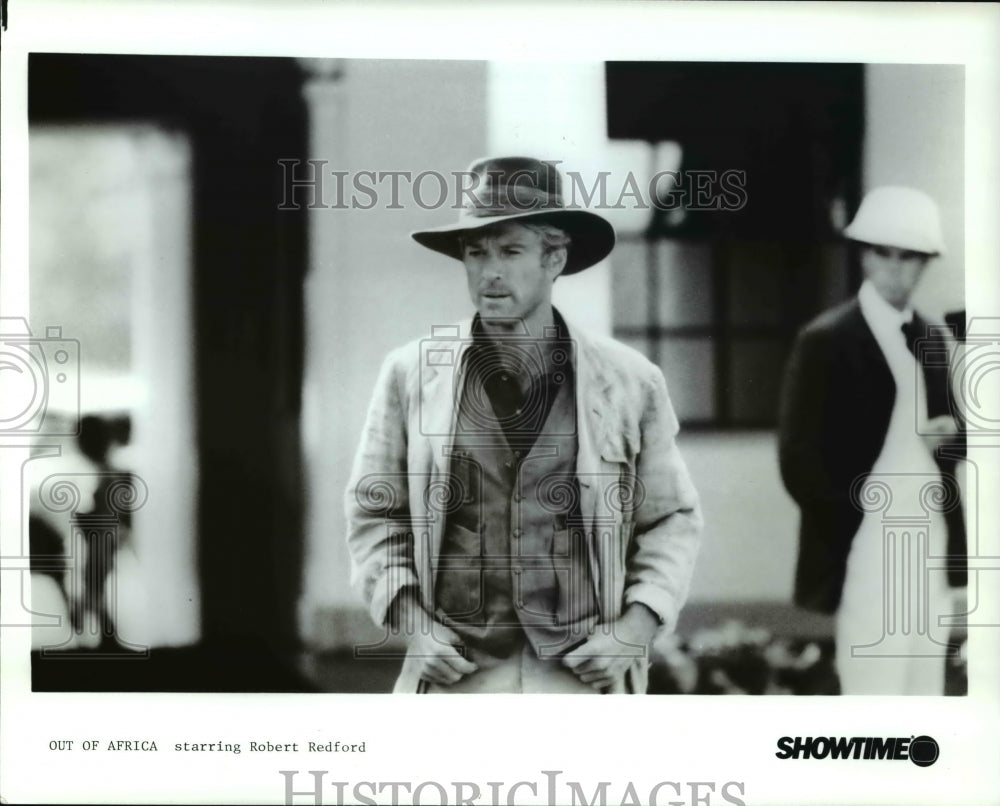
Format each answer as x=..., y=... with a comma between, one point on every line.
x=642, y=741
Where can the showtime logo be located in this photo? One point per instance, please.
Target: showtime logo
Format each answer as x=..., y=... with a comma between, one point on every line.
x=921, y=750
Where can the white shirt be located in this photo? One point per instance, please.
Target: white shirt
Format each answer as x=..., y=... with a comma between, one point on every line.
x=886, y=323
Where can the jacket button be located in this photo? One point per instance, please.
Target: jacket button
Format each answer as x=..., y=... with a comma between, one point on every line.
x=516, y=534
x=518, y=498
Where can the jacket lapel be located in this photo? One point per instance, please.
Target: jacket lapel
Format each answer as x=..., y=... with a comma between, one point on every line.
x=440, y=378
x=595, y=419
x=592, y=406
x=869, y=363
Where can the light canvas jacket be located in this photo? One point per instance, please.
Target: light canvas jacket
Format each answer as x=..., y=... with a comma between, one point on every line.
x=640, y=509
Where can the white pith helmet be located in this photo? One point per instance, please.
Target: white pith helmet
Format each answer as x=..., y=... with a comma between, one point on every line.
x=898, y=216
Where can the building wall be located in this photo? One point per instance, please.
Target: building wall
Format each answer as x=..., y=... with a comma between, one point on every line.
x=749, y=544
x=915, y=135
x=370, y=287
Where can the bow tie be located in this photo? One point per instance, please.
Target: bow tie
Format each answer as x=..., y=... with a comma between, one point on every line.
x=933, y=361
x=912, y=332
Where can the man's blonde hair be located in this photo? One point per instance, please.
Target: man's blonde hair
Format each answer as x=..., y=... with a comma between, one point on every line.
x=553, y=238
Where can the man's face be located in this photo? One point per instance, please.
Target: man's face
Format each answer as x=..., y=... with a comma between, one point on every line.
x=509, y=276
x=894, y=272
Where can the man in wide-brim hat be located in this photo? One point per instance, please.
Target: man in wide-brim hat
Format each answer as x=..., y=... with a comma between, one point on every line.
x=518, y=507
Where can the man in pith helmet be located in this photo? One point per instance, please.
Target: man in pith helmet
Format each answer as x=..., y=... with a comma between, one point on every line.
x=518, y=506
x=867, y=434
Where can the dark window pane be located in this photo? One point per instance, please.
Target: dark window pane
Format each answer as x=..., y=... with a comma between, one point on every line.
x=754, y=380
x=756, y=274
x=833, y=276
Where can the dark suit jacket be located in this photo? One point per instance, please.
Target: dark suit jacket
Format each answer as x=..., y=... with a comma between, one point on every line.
x=836, y=405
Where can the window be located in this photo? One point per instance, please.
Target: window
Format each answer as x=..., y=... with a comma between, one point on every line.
x=715, y=297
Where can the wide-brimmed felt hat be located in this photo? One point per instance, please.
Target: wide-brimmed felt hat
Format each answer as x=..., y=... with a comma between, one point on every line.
x=522, y=189
x=903, y=217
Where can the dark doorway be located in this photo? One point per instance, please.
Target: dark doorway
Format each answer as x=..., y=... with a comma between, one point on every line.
x=241, y=115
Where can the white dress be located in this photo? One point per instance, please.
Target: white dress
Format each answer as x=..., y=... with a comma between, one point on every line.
x=888, y=640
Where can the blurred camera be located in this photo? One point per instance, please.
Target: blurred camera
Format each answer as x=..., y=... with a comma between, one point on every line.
x=975, y=380
x=40, y=378
x=538, y=368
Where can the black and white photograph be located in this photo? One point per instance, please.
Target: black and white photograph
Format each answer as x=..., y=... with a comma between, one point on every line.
x=337, y=375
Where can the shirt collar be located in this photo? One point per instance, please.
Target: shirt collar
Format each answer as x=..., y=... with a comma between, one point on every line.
x=479, y=336
x=481, y=342
x=876, y=307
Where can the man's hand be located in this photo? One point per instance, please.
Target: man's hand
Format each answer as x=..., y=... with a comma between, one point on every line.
x=608, y=653
x=431, y=644
x=938, y=432
x=438, y=659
